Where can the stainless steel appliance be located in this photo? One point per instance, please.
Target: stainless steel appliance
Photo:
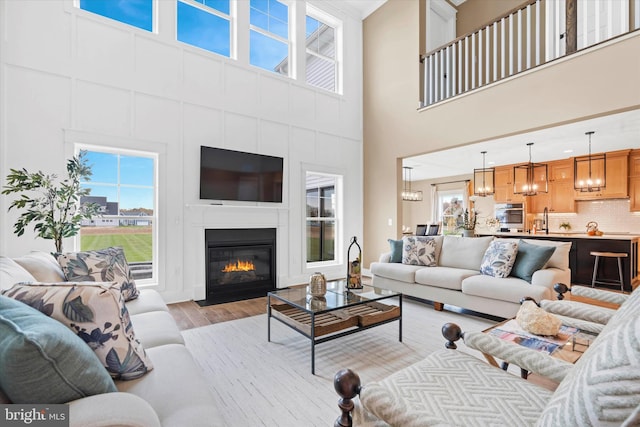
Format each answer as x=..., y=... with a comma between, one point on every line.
x=511, y=216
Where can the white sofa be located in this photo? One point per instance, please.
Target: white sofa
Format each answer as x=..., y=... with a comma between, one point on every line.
x=456, y=280
x=173, y=393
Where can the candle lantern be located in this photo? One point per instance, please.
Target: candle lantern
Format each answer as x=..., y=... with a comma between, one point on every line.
x=354, y=265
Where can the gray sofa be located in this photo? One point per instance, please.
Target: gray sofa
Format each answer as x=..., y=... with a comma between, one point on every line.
x=456, y=279
x=173, y=393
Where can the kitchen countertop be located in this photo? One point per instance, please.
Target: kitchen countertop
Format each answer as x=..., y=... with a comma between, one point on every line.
x=569, y=235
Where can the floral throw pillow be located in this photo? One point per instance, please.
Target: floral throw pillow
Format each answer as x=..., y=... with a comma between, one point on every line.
x=104, y=265
x=498, y=259
x=419, y=250
x=96, y=313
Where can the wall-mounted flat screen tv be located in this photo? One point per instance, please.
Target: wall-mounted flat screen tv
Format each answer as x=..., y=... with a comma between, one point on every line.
x=240, y=176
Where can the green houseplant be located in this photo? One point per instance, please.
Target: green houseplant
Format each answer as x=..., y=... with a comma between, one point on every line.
x=53, y=206
x=469, y=220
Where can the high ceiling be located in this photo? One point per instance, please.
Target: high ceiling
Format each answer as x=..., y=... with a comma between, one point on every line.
x=365, y=7
x=613, y=132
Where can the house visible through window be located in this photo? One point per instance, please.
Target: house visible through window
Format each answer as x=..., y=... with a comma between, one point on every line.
x=123, y=184
x=269, y=35
x=205, y=24
x=450, y=210
x=138, y=13
x=322, y=216
x=321, y=62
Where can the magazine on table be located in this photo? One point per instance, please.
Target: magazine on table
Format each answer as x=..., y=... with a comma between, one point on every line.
x=511, y=331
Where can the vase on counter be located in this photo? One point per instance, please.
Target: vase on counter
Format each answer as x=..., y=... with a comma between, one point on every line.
x=468, y=233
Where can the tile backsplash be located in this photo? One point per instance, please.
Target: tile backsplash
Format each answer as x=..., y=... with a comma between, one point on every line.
x=611, y=215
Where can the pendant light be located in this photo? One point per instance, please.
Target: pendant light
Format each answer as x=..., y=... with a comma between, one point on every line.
x=407, y=193
x=484, y=179
x=590, y=172
x=530, y=178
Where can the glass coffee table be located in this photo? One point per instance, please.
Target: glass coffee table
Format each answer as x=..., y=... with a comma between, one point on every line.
x=340, y=312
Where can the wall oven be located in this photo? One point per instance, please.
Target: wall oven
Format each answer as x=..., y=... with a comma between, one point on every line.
x=511, y=215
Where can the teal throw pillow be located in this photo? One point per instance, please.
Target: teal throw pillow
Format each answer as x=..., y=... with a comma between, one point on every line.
x=396, y=250
x=530, y=258
x=43, y=361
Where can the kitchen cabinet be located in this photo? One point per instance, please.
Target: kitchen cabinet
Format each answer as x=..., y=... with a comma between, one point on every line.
x=560, y=198
x=617, y=179
x=504, y=186
x=634, y=181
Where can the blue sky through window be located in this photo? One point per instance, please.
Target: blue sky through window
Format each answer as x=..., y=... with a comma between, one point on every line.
x=131, y=183
x=138, y=13
x=205, y=30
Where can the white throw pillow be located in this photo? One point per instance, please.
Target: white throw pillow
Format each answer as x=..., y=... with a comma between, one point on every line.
x=11, y=273
x=419, y=250
x=499, y=258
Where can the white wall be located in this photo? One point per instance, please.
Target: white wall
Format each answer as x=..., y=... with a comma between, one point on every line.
x=68, y=76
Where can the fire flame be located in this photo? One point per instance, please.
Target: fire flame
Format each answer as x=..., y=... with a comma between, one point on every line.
x=239, y=266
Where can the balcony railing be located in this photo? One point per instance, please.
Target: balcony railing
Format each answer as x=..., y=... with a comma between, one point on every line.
x=533, y=34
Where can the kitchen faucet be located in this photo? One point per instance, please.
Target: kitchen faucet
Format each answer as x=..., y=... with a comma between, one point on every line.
x=545, y=220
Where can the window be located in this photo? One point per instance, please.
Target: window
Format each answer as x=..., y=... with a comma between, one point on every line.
x=138, y=13
x=124, y=185
x=450, y=210
x=321, y=60
x=269, y=35
x=322, y=216
x=205, y=24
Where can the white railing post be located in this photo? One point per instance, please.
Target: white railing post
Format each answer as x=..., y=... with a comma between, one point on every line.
x=538, y=35
x=503, y=59
x=480, y=57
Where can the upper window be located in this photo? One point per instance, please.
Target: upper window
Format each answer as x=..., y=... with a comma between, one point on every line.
x=123, y=184
x=138, y=13
x=321, y=60
x=205, y=24
x=269, y=35
x=322, y=216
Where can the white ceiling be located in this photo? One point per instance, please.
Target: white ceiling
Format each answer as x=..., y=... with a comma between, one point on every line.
x=365, y=7
x=613, y=132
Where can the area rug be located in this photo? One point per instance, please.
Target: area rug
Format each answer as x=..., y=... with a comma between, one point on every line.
x=260, y=383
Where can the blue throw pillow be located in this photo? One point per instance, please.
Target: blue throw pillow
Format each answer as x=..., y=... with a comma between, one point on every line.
x=530, y=258
x=43, y=361
x=396, y=250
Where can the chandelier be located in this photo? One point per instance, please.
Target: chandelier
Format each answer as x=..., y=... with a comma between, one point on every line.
x=484, y=179
x=590, y=172
x=530, y=178
x=407, y=193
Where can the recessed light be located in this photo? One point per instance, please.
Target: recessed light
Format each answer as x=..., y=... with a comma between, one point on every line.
x=568, y=151
x=491, y=163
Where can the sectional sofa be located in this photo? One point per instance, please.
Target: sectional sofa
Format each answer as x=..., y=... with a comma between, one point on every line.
x=171, y=392
x=454, y=272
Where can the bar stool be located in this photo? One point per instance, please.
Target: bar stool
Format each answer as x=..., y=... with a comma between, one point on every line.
x=616, y=255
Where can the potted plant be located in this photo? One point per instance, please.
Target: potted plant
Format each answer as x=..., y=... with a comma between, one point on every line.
x=565, y=226
x=52, y=206
x=468, y=223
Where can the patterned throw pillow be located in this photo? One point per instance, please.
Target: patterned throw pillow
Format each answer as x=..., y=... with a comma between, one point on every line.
x=499, y=258
x=104, y=265
x=43, y=361
x=96, y=313
x=419, y=250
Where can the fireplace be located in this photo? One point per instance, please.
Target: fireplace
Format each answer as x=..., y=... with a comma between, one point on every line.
x=240, y=263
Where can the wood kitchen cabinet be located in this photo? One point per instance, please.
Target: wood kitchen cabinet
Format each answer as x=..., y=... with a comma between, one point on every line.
x=504, y=186
x=617, y=179
x=634, y=181
x=560, y=198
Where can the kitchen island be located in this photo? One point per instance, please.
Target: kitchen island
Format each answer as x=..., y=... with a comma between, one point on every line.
x=581, y=261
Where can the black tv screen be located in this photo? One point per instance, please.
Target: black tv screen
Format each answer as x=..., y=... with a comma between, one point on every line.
x=236, y=175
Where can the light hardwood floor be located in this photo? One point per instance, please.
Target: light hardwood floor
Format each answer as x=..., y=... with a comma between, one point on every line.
x=190, y=315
